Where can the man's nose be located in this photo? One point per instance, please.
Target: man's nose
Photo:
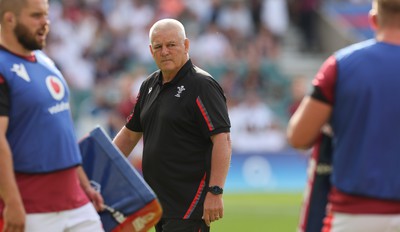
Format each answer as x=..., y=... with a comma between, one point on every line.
x=164, y=50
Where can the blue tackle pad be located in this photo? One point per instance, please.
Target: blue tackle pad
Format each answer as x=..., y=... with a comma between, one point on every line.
x=131, y=205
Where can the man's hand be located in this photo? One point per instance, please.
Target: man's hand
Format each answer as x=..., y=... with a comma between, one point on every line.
x=96, y=198
x=213, y=208
x=93, y=195
x=14, y=217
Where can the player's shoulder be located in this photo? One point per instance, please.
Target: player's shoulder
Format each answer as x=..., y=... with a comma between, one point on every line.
x=42, y=57
x=201, y=72
x=356, y=49
x=153, y=77
x=41, y=54
x=150, y=80
x=7, y=60
x=202, y=77
x=4, y=54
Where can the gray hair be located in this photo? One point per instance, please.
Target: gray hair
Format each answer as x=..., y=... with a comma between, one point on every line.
x=170, y=24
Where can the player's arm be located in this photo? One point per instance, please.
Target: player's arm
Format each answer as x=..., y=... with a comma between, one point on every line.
x=126, y=140
x=306, y=123
x=221, y=158
x=315, y=110
x=220, y=162
x=14, y=212
x=93, y=195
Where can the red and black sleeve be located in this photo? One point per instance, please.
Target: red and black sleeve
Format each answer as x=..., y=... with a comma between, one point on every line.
x=212, y=109
x=325, y=81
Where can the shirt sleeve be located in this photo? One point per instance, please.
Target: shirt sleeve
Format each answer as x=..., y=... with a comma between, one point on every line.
x=211, y=110
x=133, y=121
x=325, y=81
x=4, y=97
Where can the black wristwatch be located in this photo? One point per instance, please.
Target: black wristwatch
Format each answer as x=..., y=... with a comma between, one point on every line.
x=216, y=190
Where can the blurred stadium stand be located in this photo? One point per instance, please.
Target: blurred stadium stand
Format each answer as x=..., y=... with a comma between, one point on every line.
x=267, y=172
x=342, y=23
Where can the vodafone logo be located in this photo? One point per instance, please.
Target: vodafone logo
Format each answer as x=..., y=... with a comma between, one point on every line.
x=55, y=87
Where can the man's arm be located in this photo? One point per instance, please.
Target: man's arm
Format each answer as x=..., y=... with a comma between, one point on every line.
x=14, y=212
x=126, y=140
x=93, y=195
x=306, y=123
x=220, y=162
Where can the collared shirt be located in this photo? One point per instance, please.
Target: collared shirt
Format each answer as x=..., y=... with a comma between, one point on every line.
x=177, y=120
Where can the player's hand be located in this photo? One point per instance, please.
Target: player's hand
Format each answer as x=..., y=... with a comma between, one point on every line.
x=96, y=198
x=213, y=208
x=14, y=217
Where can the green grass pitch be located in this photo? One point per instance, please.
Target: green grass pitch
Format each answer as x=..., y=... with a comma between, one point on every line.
x=262, y=212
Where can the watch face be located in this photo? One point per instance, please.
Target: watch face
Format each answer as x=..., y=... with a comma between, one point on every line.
x=215, y=190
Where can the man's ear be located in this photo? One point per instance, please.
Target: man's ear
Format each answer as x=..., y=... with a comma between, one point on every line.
x=151, y=50
x=187, y=45
x=373, y=19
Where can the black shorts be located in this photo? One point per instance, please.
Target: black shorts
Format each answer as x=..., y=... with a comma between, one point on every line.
x=181, y=225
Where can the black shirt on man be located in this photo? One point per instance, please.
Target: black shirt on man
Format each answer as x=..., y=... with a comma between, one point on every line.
x=177, y=119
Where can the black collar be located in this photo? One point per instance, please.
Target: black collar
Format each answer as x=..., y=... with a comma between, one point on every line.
x=181, y=74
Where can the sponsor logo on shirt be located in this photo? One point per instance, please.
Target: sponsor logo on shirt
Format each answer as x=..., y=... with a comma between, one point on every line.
x=59, y=107
x=57, y=91
x=55, y=87
x=20, y=70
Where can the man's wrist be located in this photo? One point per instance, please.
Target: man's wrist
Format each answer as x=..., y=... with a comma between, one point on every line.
x=216, y=190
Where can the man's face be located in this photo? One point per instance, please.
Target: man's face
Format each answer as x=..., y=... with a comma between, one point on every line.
x=32, y=25
x=169, y=50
